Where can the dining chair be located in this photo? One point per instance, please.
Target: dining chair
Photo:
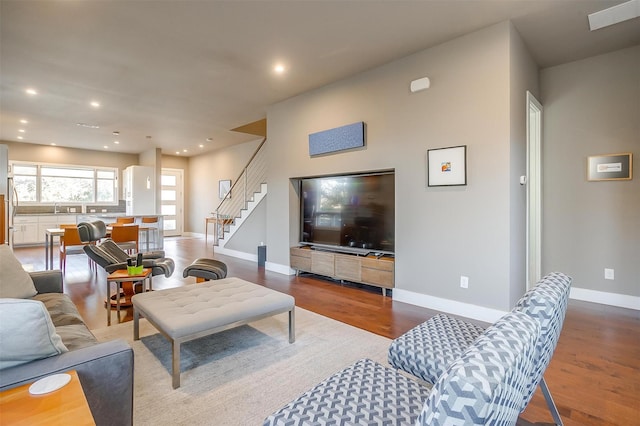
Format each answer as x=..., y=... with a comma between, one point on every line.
x=151, y=222
x=126, y=237
x=63, y=226
x=70, y=243
x=125, y=219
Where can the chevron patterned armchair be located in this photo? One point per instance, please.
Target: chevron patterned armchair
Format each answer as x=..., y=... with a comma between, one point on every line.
x=485, y=385
x=428, y=349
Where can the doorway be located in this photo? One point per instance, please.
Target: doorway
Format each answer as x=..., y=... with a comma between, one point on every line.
x=172, y=201
x=534, y=190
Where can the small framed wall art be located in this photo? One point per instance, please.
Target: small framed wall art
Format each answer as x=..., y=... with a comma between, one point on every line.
x=224, y=188
x=447, y=166
x=610, y=167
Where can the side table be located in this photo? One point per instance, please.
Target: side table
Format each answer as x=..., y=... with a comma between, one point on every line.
x=65, y=406
x=207, y=221
x=120, y=277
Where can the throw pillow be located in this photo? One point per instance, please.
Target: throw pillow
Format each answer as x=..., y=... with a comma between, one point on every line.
x=15, y=282
x=26, y=333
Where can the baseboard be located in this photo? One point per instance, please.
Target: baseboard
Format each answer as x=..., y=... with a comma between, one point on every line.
x=281, y=269
x=605, y=298
x=466, y=310
x=269, y=266
x=236, y=253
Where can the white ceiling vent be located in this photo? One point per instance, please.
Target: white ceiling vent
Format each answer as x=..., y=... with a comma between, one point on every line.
x=614, y=15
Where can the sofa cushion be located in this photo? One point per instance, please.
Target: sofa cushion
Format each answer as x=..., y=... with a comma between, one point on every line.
x=67, y=320
x=60, y=308
x=26, y=332
x=76, y=336
x=15, y=282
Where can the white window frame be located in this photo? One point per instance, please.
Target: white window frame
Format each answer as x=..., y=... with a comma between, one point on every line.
x=94, y=169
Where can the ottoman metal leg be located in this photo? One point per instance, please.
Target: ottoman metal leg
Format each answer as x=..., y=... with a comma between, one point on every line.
x=176, y=364
x=292, y=325
x=136, y=324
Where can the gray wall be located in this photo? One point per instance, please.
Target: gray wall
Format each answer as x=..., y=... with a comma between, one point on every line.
x=441, y=233
x=523, y=78
x=592, y=107
x=252, y=232
x=205, y=171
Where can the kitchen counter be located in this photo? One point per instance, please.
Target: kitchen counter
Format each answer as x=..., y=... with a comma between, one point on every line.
x=31, y=228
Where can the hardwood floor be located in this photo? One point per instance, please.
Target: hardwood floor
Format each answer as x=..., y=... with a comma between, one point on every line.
x=594, y=375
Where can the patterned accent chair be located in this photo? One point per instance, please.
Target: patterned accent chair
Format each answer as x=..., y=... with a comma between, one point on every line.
x=428, y=349
x=485, y=385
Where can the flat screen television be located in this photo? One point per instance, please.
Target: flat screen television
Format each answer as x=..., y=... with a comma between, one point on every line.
x=350, y=213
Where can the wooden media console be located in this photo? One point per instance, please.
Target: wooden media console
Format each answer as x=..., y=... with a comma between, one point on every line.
x=372, y=270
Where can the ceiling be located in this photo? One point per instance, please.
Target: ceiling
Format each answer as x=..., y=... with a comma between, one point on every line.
x=180, y=74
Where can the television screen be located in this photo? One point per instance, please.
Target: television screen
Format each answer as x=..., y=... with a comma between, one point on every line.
x=352, y=212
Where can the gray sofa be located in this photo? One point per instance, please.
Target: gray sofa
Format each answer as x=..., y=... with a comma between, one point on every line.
x=105, y=369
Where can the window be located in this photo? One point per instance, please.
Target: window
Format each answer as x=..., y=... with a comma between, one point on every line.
x=25, y=181
x=48, y=183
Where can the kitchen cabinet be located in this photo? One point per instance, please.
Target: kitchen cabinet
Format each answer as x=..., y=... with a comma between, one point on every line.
x=25, y=230
x=30, y=229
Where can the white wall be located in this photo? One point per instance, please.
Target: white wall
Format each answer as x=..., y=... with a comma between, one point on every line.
x=592, y=107
x=441, y=233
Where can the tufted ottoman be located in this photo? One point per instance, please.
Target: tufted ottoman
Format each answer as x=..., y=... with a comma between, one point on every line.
x=190, y=312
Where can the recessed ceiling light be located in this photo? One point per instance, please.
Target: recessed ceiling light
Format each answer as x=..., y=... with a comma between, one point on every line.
x=53, y=144
x=184, y=150
x=209, y=139
x=278, y=68
x=116, y=133
x=178, y=152
x=31, y=91
x=90, y=126
x=106, y=147
x=23, y=121
x=21, y=130
x=95, y=104
x=19, y=137
x=116, y=142
x=201, y=146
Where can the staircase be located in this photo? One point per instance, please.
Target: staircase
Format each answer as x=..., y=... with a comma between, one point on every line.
x=245, y=194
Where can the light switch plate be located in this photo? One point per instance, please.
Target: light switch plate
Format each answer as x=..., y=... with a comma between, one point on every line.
x=609, y=274
x=464, y=281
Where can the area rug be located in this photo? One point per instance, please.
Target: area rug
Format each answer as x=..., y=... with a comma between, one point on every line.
x=240, y=376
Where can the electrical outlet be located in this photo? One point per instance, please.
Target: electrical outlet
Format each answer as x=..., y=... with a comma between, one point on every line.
x=609, y=274
x=464, y=281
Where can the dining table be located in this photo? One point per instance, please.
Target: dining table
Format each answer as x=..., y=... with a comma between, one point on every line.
x=49, y=235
